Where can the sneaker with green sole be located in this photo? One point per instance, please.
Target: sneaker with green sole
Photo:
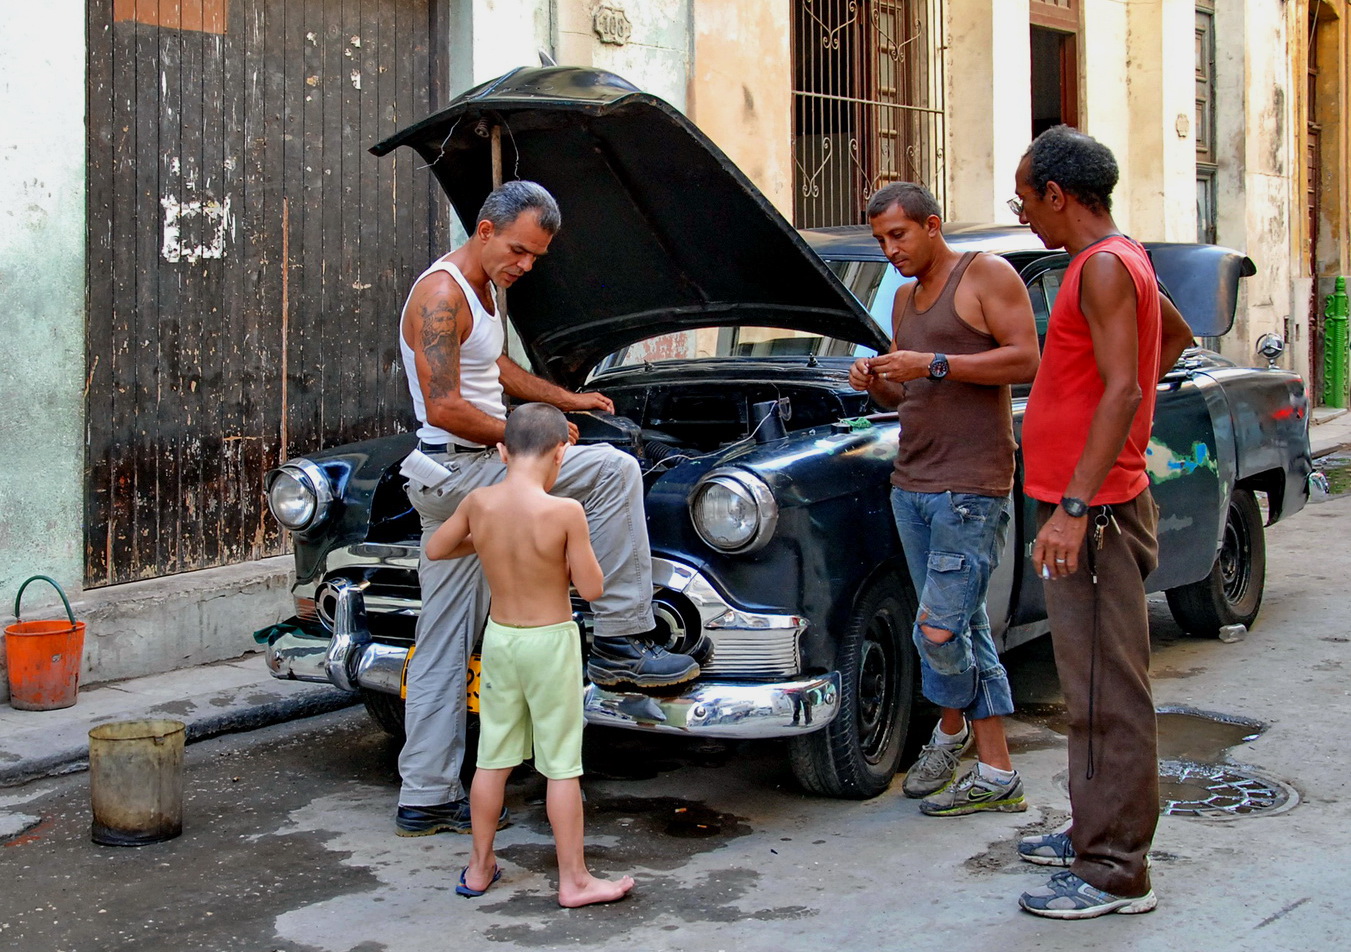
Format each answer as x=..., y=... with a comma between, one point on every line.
x=935, y=767
x=972, y=793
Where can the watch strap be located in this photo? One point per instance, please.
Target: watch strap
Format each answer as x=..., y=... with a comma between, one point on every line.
x=1074, y=508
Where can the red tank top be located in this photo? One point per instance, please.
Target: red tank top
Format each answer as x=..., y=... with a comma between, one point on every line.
x=1068, y=387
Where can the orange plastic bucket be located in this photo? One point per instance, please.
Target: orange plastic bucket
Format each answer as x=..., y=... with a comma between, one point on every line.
x=43, y=657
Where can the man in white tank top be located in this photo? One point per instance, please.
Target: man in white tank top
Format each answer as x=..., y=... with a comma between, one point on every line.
x=451, y=337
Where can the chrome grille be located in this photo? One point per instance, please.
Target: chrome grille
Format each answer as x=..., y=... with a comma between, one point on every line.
x=753, y=654
x=306, y=610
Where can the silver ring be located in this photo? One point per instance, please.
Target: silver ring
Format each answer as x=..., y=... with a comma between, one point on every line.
x=884, y=375
x=1060, y=560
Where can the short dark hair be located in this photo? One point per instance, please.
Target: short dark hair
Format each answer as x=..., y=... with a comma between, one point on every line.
x=915, y=200
x=510, y=200
x=1078, y=163
x=534, y=429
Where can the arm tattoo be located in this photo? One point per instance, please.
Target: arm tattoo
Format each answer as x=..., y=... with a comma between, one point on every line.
x=441, y=347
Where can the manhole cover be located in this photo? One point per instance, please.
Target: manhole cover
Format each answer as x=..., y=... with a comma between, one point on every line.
x=1218, y=791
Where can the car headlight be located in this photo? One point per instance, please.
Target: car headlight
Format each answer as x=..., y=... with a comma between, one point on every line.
x=298, y=494
x=733, y=511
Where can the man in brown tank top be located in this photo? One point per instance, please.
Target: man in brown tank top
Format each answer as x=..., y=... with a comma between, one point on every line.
x=962, y=332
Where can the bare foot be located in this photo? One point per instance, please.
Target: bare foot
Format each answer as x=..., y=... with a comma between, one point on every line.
x=594, y=891
x=474, y=883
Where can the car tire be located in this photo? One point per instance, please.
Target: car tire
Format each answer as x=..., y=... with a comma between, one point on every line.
x=1232, y=593
x=386, y=710
x=858, y=754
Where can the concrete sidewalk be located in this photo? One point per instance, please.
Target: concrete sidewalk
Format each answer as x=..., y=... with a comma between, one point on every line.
x=1330, y=432
x=211, y=699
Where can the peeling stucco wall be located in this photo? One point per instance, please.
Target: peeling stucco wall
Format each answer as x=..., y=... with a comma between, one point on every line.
x=1258, y=193
x=42, y=245
x=989, y=118
x=741, y=89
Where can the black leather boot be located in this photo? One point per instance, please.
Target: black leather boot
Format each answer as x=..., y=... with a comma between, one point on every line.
x=630, y=660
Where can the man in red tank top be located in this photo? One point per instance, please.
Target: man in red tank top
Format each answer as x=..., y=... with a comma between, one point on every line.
x=962, y=331
x=1111, y=337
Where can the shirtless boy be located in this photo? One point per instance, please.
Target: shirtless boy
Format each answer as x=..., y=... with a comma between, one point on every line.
x=531, y=545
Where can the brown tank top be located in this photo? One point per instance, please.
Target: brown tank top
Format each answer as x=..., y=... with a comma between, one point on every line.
x=955, y=436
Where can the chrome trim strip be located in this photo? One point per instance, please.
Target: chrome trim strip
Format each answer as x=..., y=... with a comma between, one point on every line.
x=714, y=611
x=721, y=709
x=371, y=554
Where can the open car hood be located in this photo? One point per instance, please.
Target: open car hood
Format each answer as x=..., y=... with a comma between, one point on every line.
x=661, y=232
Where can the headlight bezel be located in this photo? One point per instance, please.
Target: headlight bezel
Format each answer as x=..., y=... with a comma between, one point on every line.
x=749, y=486
x=309, y=476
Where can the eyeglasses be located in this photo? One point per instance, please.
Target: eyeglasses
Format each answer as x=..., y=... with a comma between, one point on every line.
x=1016, y=206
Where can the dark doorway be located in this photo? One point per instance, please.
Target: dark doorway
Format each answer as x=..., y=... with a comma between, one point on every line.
x=1055, y=95
x=246, y=257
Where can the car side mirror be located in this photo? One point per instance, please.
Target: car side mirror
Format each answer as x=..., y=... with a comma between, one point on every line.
x=1271, y=345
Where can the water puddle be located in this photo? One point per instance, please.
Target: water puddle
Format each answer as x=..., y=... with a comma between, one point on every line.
x=1337, y=468
x=1202, y=737
x=694, y=822
x=1195, y=776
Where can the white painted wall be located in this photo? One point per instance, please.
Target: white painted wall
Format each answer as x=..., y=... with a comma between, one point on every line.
x=42, y=253
x=741, y=89
x=656, y=57
x=989, y=107
x=1158, y=193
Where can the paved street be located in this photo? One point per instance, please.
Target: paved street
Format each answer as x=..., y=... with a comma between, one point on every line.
x=288, y=842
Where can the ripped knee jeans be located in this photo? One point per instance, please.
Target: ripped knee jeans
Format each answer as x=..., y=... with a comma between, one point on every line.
x=952, y=543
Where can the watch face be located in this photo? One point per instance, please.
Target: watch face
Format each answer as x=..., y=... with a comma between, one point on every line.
x=1075, y=508
x=938, y=368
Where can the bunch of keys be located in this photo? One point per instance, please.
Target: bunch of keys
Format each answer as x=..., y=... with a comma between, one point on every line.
x=1100, y=523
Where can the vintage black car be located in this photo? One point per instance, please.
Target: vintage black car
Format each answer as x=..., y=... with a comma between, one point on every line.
x=724, y=338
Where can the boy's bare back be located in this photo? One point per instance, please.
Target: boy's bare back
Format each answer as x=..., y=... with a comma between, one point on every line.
x=532, y=547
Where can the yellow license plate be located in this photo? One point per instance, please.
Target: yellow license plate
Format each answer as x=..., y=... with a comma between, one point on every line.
x=470, y=682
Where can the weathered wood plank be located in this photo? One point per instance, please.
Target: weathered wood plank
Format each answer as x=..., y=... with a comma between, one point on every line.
x=208, y=362
x=99, y=339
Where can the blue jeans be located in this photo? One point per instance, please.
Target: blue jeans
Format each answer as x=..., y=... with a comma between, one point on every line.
x=952, y=542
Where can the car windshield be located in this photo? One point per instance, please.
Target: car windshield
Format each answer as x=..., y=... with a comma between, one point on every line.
x=874, y=283
x=740, y=341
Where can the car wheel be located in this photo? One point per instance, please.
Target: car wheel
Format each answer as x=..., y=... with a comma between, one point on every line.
x=386, y=710
x=1232, y=593
x=857, y=755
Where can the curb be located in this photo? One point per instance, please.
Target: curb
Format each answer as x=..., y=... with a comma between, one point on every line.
x=74, y=758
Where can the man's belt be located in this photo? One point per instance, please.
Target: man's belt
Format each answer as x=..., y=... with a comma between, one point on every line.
x=449, y=448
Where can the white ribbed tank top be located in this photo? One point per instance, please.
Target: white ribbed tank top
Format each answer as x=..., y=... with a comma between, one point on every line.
x=479, y=383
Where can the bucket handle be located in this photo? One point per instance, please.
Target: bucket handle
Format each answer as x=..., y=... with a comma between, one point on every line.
x=64, y=601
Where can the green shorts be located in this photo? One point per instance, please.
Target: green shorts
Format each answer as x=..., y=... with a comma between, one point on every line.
x=530, y=699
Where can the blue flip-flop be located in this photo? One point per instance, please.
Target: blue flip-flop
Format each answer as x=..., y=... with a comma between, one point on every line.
x=465, y=890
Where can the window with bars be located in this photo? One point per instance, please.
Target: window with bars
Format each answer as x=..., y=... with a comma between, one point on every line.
x=868, y=103
x=1205, y=123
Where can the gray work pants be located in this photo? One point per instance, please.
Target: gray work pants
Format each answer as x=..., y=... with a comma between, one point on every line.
x=455, y=601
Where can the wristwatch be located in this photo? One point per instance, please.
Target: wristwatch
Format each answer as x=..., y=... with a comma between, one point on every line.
x=1074, y=508
x=938, y=367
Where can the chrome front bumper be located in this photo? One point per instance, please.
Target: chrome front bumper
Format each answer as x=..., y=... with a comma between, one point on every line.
x=711, y=707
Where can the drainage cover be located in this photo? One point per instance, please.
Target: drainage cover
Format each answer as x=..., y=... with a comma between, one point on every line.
x=1218, y=791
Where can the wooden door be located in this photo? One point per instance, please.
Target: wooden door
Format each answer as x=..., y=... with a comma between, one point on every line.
x=247, y=258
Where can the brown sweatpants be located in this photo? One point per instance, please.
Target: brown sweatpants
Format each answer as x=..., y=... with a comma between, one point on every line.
x=1100, y=634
